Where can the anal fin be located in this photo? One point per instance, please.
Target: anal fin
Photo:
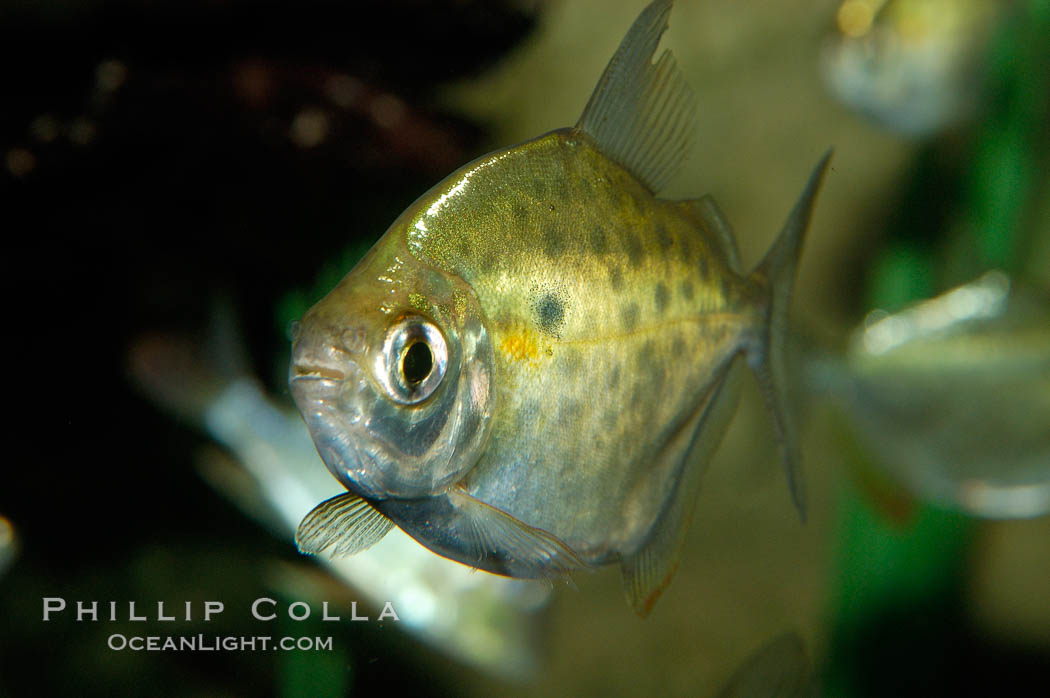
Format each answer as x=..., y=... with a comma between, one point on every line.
x=648, y=572
x=346, y=521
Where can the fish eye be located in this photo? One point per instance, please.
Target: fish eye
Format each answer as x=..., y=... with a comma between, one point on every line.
x=414, y=360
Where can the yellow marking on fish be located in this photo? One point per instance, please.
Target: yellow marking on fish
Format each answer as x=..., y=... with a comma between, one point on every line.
x=520, y=347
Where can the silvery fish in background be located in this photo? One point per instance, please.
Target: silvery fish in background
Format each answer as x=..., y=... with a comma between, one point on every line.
x=951, y=396
x=912, y=66
x=530, y=370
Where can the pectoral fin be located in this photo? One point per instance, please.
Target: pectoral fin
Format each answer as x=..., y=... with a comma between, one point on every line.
x=345, y=521
x=494, y=537
x=467, y=530
x=648, y=572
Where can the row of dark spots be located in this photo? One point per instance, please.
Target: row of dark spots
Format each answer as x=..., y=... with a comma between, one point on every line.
x=664, y=238
x=633, y=247
x=629, y=312
x=635, y=254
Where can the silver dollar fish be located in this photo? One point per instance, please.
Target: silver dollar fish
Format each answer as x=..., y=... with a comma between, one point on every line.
x=530, y=369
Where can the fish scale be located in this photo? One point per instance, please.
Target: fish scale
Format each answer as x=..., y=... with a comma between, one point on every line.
x=579, y=338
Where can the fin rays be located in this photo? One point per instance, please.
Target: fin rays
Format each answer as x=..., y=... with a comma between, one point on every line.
x=776, y=276
x=345, y=521
x=642, y=114
x=648, y=572
x=529, y=550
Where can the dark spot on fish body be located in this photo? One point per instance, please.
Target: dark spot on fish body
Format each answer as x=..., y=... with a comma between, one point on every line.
x=616, y=278
x=661, y=296
x=663, y=237
x=550, y=313
x=629, y=316
x=614, y=378
x=686, y=289
x=553, y=242
x=633, y=248
x=677, y=347
x=686, y=248
x=598, y=243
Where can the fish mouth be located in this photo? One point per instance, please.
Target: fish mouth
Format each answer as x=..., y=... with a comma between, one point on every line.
x=315, y=372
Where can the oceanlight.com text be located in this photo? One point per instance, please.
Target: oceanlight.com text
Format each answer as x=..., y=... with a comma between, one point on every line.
x=212, y=643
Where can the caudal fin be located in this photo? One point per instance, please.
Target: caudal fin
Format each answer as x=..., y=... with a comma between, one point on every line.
x=776, y=276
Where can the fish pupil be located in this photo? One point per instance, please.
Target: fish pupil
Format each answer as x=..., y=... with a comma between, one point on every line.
x=417, y=364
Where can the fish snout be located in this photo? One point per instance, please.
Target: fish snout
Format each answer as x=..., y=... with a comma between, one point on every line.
x=324, y=353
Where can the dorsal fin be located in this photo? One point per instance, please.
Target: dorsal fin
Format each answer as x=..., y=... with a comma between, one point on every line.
x=641, y=114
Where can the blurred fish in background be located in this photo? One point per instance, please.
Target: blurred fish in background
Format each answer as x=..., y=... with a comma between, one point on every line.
x=274, y=477
x=942, y=393
x=952, y=397
x=913, y=66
